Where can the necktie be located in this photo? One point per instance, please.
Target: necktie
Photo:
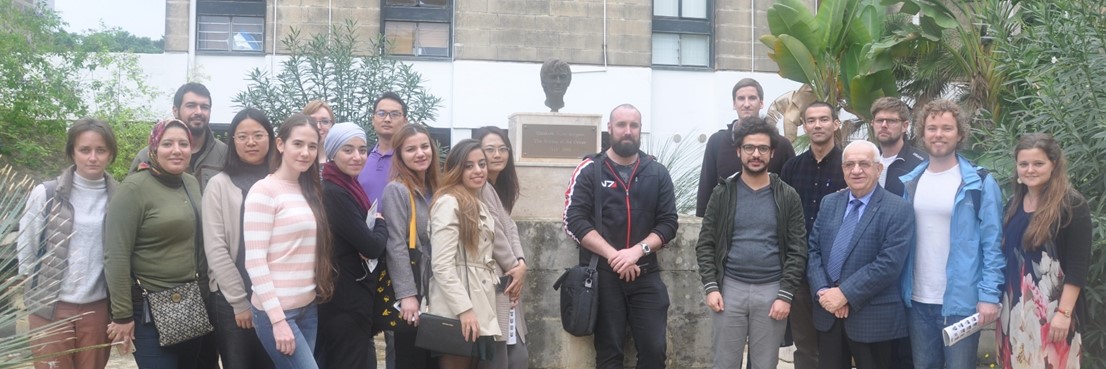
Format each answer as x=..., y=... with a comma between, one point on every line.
x=841, y=243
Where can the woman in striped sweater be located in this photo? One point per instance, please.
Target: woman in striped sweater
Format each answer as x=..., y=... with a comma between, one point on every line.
x=287, y=248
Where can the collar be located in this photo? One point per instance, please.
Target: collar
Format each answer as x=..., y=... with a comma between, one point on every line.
x=866, y=198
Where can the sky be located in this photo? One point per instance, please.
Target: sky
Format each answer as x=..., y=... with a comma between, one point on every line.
x=139, y=17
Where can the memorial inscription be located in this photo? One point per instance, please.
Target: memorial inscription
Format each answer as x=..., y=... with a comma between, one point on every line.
x=545, y=141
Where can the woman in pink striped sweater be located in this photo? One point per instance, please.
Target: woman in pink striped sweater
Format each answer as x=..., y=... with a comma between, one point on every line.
x=287, y=248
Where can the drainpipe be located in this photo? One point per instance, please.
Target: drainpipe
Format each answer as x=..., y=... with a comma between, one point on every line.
x=272, y=55
x=753, y=35
x=191, y=63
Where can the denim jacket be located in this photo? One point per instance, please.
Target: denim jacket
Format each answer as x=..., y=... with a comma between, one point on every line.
x=975, y=263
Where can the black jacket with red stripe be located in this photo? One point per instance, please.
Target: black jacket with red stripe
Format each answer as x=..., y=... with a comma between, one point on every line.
x=631, y=211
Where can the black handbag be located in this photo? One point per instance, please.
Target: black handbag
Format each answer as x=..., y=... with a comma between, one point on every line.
x=385, y=316
x=580, y=292
x=444, y=335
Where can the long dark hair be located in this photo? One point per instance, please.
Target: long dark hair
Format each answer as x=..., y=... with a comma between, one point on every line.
x=468, y=204
x=1057, y=200
x=233, y=165
x=506, y=183
x=313, y=193
x=403, y=174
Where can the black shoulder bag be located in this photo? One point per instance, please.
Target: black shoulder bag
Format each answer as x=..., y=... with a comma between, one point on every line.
x=580, y=292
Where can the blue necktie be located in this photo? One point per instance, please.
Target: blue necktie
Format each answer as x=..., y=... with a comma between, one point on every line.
x=841, y=243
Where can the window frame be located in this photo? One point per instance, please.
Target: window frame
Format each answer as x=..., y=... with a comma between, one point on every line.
x=680, y=25
x=419, y=14
x=232, y=9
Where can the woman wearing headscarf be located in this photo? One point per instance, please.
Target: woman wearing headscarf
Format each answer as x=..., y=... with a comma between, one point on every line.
x=150, y=236
x=247, y=162
x=345, y=322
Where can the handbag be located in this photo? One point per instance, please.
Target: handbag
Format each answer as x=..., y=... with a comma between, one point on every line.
x=444, y=335
x=178, y=313
x=385, y=316
x=580, y=292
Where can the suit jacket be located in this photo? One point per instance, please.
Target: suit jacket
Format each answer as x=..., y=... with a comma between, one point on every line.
x=873, y=266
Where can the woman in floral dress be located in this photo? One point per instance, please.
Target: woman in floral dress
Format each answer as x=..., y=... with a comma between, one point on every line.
x=1047, y=247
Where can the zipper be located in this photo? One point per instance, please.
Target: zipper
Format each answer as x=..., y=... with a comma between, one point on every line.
x=626, y=187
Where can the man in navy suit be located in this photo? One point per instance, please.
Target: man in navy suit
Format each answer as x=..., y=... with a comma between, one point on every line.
x=858, y=246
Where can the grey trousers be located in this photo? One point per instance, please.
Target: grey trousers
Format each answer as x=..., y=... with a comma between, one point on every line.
x=744, y=319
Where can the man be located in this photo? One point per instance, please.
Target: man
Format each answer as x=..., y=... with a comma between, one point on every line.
x=891, y=121
x=751, y=266
x=631, y=292
x=955, y=269
x=857, y=249
x=390, y=115
x=192, y=105
x=813, y=174
x=720, y=160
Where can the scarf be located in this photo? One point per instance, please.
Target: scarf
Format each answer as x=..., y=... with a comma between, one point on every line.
x=334, y=175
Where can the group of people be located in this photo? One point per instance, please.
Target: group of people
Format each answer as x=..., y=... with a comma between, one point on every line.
x=296, y=239
x=862, y=254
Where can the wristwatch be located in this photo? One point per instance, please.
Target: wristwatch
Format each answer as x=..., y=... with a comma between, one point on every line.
x=645, y=248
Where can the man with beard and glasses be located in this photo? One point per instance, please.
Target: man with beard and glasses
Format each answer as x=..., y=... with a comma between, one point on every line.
x=891, y=121
x=192, y=105
x=751, y=266
x=638, y=218
x=813, y=174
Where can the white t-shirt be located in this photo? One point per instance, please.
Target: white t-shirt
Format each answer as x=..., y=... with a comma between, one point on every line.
x=886, y=163
x=933, y=205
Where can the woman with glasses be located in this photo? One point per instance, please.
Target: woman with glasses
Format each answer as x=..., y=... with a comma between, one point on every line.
x=499, y=195
x=323, y=116
x=229, y=304
x=1047, y=245
x=345, y=322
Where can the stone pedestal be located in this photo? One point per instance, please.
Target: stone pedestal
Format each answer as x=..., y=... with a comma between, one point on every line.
x=547, y=147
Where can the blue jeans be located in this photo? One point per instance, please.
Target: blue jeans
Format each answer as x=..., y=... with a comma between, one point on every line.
x=304, y=323
x=930, y=352
x=148, y=352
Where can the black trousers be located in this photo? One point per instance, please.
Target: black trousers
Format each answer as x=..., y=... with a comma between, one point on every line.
x=343, y=339
x=643, y=306
x=238, y=348
x=407, y=355
x=837, y=351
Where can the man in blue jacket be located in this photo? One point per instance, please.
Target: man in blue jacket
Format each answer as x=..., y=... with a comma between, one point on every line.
x=955, y=269
x=638, y=218
x=857, y=249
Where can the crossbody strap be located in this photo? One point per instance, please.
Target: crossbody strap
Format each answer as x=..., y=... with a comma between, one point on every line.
x=597, y=197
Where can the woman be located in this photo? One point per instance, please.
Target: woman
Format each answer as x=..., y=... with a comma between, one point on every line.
x=462, y=230
x=414, y=180
x=345, y=322
x=499, y=195
x=288, y=248
x=1048, y=250
x=323, y=116
x=247, y=162
x=150, y=240
x=62, y=251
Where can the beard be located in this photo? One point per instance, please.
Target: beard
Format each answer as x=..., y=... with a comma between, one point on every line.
x=745, y=168
x=626, y=149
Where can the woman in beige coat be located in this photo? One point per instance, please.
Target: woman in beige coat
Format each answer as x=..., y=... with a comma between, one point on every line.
x=462, y=231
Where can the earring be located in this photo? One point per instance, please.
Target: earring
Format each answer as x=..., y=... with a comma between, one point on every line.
x=1019, y=180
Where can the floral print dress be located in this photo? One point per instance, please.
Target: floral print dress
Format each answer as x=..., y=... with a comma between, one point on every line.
x=1034, y=281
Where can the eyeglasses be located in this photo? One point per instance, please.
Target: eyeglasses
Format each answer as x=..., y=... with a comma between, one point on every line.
x=492, y=150
x=863, y=164
x=748, y=149
x=888, y=122
x=324, y=122
x=386, y=114
x=257, y=137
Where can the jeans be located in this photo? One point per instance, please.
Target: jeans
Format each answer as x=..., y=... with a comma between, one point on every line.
x=643, y=306
x=744, y=318
x=304, y=323
x=238, y=348
x=148, y=352
x=929, y=348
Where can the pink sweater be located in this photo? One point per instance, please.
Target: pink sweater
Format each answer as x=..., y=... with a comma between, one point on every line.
x=279, y=232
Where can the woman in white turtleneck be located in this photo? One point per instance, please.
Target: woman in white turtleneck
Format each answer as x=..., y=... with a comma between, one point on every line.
x=61, y=251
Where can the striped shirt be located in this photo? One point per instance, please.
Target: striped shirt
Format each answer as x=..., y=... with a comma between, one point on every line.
x=279, y=233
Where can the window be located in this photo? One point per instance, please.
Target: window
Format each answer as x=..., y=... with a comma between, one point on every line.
x=418, y=27
x=230, y=25
x=682, y=32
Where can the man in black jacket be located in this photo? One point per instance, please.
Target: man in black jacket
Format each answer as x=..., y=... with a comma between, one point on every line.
x=891, y=121
x=638, y=205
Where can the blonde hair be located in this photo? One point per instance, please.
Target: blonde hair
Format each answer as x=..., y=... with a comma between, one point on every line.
x=468, y=204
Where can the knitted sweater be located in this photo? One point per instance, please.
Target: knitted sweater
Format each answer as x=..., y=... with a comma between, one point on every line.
x=280, y=246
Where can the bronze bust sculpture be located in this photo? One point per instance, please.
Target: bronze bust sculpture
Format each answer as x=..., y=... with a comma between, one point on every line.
x=555, y=78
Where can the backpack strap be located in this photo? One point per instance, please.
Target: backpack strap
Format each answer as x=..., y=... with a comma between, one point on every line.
x=977, y=195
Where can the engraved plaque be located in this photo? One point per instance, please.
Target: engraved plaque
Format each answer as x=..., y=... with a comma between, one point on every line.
x=552, y=141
